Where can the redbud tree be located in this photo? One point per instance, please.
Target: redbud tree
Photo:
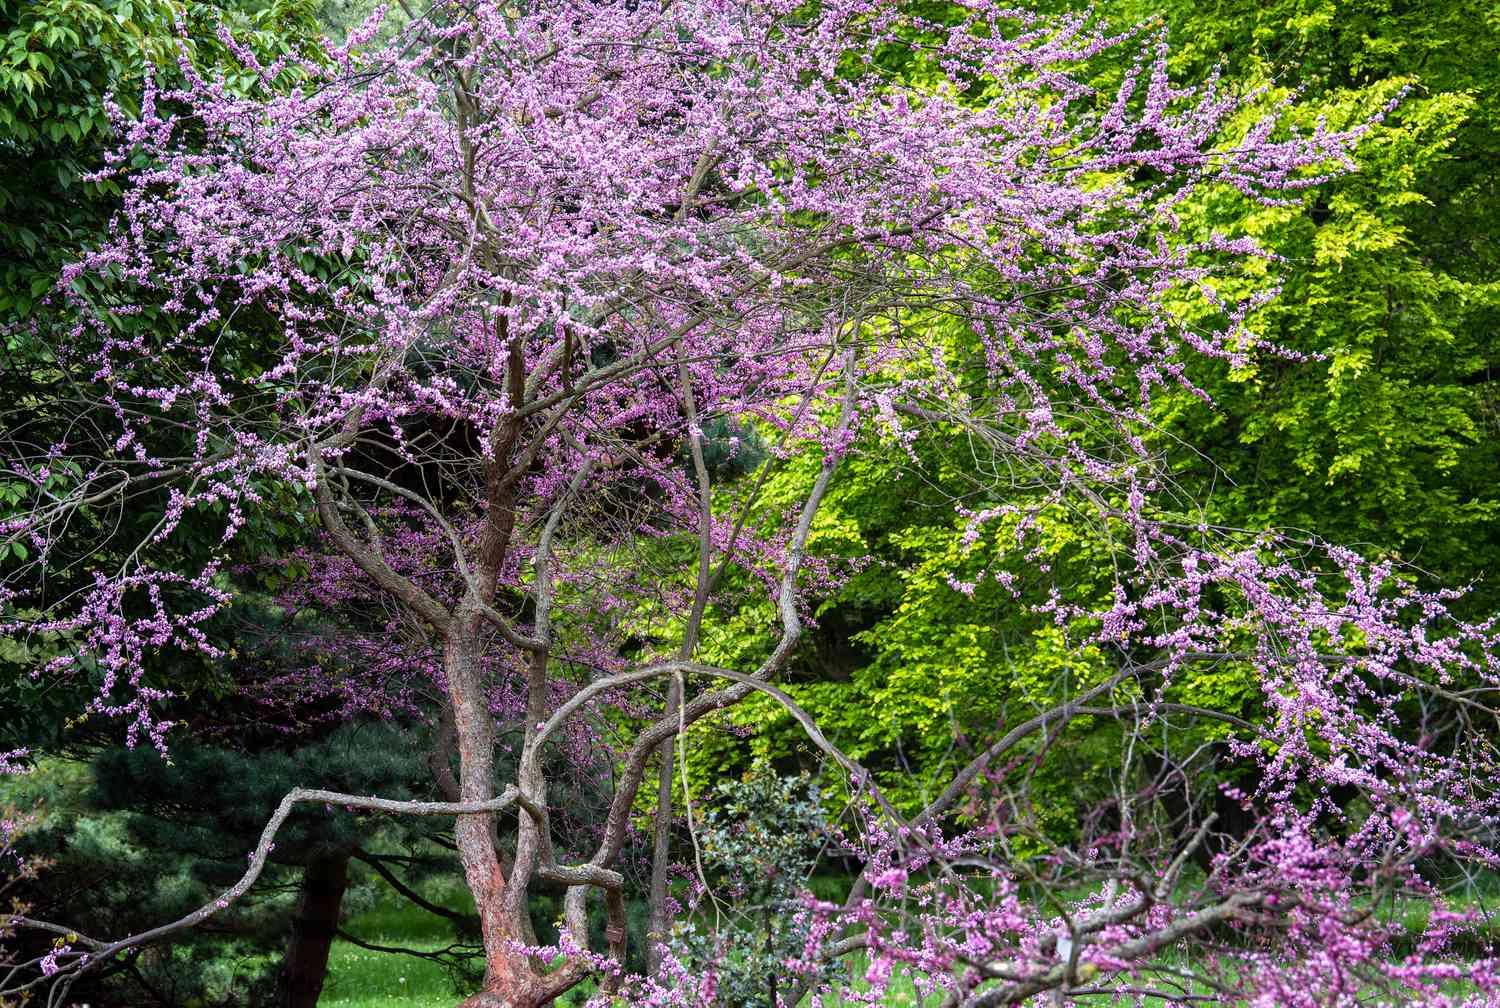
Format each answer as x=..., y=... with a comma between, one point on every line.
x=519, y=260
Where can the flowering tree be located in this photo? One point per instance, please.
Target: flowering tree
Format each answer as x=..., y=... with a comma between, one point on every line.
x=521, y=259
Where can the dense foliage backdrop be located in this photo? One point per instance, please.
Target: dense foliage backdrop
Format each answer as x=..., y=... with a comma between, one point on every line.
x=1383, y=437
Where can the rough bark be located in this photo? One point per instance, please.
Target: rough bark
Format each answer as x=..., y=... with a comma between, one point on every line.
x=505, y=970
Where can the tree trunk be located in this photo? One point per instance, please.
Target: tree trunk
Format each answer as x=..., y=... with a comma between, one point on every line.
x=300, y=981
x=509, y=979
x=660, y=923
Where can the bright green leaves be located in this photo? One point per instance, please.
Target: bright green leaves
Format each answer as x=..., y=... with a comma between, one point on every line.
x=1383, y=437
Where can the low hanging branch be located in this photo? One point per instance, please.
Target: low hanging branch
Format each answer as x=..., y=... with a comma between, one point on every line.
x=94, y=952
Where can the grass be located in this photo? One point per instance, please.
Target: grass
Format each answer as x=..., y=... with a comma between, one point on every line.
x=359, y=978
x=362, y=978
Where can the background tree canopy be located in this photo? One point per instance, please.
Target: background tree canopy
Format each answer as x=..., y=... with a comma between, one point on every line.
x=1379, y=428
x=1387, y=436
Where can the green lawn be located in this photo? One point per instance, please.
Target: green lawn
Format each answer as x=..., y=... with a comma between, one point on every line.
x=358, y=978
x=362, y=979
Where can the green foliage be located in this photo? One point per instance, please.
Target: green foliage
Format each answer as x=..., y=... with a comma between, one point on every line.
x=112, y=885
x=1388, y=439
x=758, y=844
x=61, y=63
x=922, y=650
x=137, y=840
x=1384, y=438
x=212, y=801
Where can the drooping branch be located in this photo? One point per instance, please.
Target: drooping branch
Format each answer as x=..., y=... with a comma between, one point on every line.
x=102, y=951
x=368, y=557
x=378, y=865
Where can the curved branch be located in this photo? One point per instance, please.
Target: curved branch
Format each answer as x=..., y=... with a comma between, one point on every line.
x=411, y=895
x=436, y=955
x=449, y=531
x=366, y=558
x=258, y=857
x=647, y=742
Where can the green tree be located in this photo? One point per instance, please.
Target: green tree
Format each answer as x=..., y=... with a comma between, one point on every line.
x=135, y=840
x=63, y=65
x=759, y=842
x=62, y=62
x=1384, y=435
x=1388, y=437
